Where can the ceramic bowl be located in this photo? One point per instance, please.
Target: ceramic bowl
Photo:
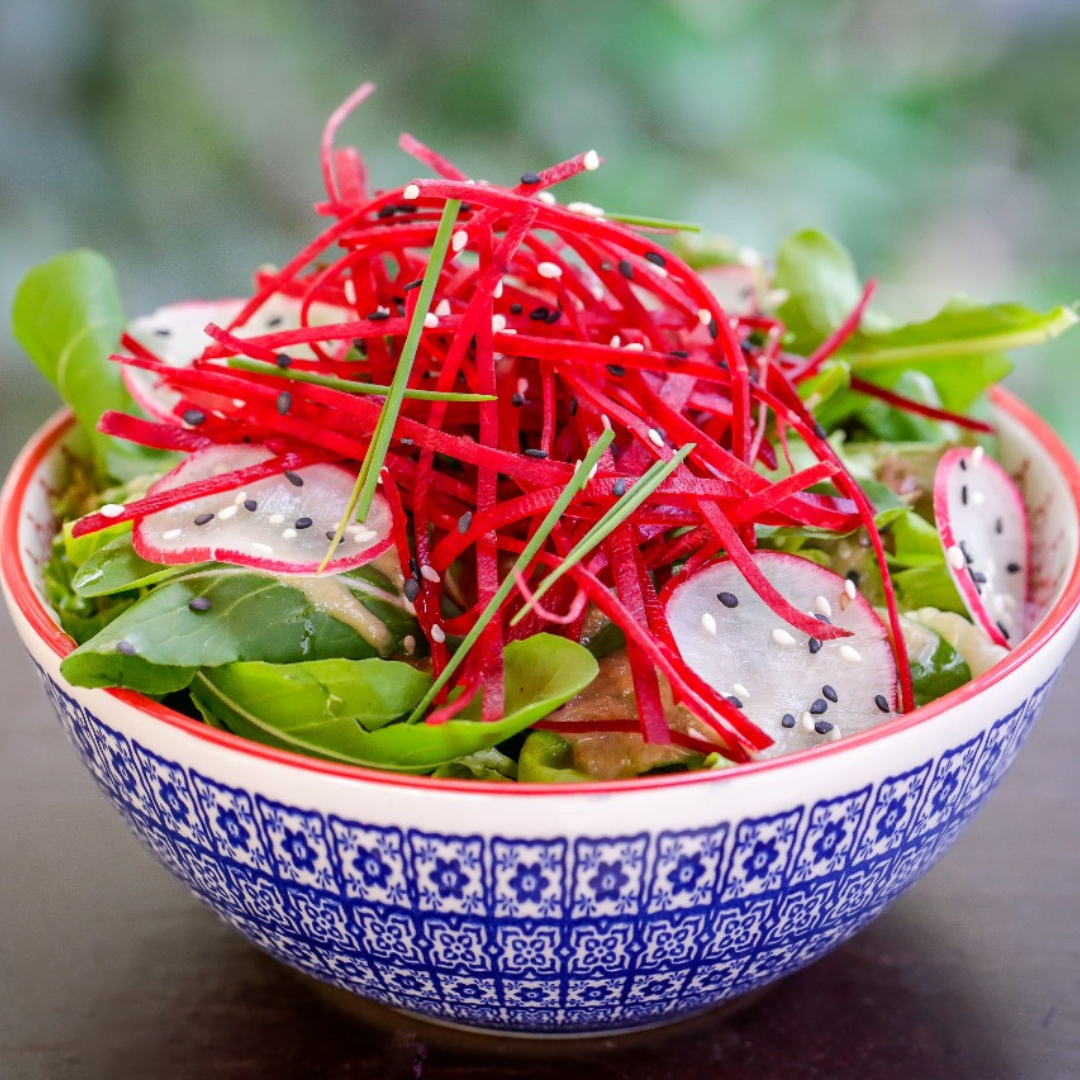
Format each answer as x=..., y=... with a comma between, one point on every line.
x=564, y=909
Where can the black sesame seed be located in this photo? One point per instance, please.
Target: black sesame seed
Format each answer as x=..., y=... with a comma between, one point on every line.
x=303, y=523
x=411, y=589
x=464, y=522
x=679, y=354
x=1003, y=628
x=387, y=211
x=125, y=648
x=573, y=406
x=516, y=309
x=814, y=646
x=294, y=478
x=378, y=316
x=251, y=504
x=618, y=489
x=819, y=431
x=539, y=314
x=853, y=577
x=414, y=284
x=331, y=535
x=284, y=402
x=999, y=526
x=554, y=315
x=163, y=331
x=728, y=599
x=823, y=618
x=963, y=494
x=194, y=417
x=517, y=400
x=534, y=453
x=828, y=692
x=968, y=558
x=616, y=369
x=963, y=464
x=530, y=178
x=656, y=258
x=823, y=727
x=283, y=360
x=733, y=700
x=199, y=603
x=714, y=329
x=788, y=720
x=977, y=576
x=1013, y=568
x=414, y=568
x=882, y=702
x=819, y=707
x=626, y=269
x=203, y=519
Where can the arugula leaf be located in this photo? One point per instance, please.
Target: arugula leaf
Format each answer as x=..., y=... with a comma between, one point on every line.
x=68, y=317
x=323, y=708
x=251, y=617
x=116, y=567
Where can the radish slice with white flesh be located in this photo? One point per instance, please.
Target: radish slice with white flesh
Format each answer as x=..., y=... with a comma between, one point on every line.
x=175, y=335
x=275, y=524
x=984, y=529
x=800, y=691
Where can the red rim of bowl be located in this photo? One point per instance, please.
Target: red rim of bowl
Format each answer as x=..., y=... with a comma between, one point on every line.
x=26, y=599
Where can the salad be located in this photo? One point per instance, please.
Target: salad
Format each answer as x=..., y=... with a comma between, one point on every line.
x=484, y=483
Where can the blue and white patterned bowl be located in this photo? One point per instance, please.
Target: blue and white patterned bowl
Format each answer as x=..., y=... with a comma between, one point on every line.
x=568, y=909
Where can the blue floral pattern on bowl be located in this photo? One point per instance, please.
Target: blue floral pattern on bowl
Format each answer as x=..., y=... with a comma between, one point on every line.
x=534, y=934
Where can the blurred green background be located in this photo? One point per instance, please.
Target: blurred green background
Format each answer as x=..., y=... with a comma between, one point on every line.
x=938, y=138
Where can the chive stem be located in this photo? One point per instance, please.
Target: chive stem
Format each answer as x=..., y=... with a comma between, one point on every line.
x=334, y=382
x=643, y=487
x=576, y=483
x=653, y=223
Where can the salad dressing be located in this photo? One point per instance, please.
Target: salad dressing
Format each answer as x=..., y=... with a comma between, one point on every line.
x=333, y=597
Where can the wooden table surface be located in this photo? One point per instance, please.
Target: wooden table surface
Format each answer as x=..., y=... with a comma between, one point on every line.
x=110, y=968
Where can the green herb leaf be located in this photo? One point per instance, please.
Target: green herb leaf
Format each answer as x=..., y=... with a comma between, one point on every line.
x=936, y=666
x=324, y=708
x=546, y=758
x=116, y=567
x=68, y=317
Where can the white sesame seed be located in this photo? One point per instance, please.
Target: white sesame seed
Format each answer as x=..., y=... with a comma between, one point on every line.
x=977, y=455
x=834, y=734
x=546, y=197
x=429, y=573
x=808, y=721
x=241, y=497
x=111, y=510
x=263, y=549
x=459, y=239
x=498, y=290
x=656, y=437
x=587, y=209
x=438, y=634
x=288, y=534
x=522, y=386
x=704, y=316
x=782, y=637
x=634, y=346
x=739, y=690
x=239, y=403
x=411, y=192
x=350, y=291
x=591, y=160
x=849, y=588
x=549, y=270
x=410, y=644
x=362, y=536
x=955, y=557
x=442, y=308
x=977, y=498
x=615, y=341
x=823, y=607
x=276, y=519
x=708, y=623
x=172, y=534
x=431, y=320
x=498, y=322
x=508, y=330
x=227, y=512
x=593, y=470
x=850, y=654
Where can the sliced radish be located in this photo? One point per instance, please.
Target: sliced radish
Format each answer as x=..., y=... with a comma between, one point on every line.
x=984, y=529
x=801, y=690
x=274, y=524
x=175, y=335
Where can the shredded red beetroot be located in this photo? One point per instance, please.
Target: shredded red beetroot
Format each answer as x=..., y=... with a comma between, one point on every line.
x=575, y=323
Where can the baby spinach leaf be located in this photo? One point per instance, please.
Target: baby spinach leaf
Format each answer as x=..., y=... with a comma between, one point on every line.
x=546, y=758
x=325, y=708
x=251, y=617
x=116, y=567
x=68, y=317
x=936, y=666
x=928, y=586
